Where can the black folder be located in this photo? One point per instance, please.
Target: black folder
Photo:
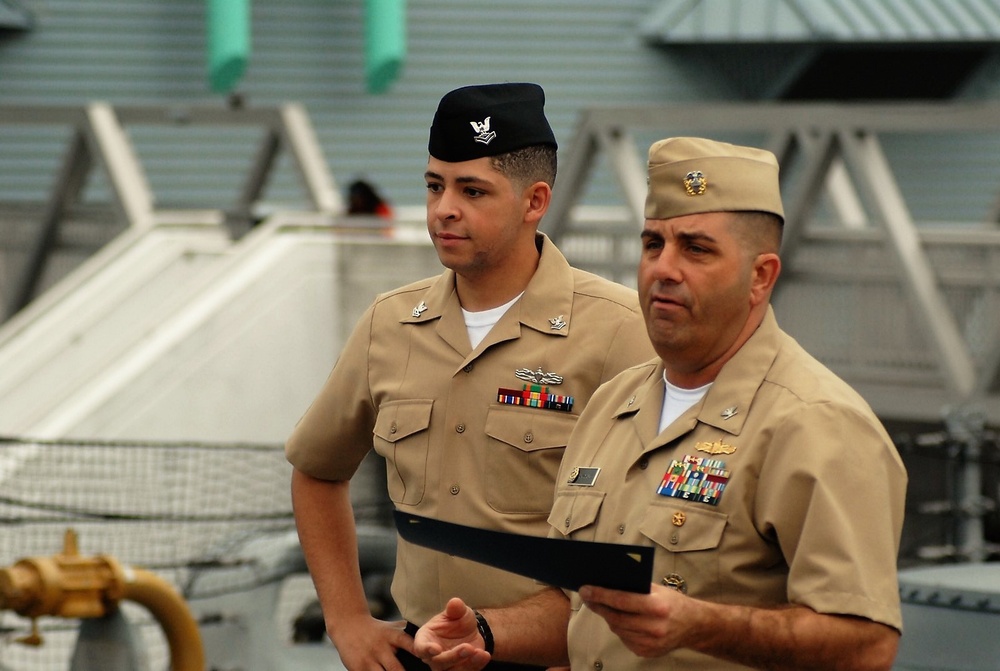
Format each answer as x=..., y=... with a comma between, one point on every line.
x=558, y=562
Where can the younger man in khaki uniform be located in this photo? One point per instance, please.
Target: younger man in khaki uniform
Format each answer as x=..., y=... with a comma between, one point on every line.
x=769, y=490
x=468, y=384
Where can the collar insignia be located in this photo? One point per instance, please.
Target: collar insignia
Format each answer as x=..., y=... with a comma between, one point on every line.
x=420, y=309
x=483, y=133
x=730, y=412
x=557, y=323
x=537, y=376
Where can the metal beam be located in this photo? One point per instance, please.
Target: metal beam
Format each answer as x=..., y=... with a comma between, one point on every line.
x=72, y=176
x=874, y=178
x=574, y=171
x=260, y=171
x=308, y=158
x=817, y=154
x=629, y=167
x=127, y=178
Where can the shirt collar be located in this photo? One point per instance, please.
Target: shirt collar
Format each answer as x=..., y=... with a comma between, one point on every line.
x=727, y=402
x=547, y=302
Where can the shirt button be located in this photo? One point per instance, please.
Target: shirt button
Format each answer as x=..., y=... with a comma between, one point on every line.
x=392, y=429
x=460, y=428
x=467, y=368
x=566, y=523
x=528, y=437
x=679, y=519
x=674, y=538
x=598, y=665
x=621, y=529
x=455, y=489
x=644, y=463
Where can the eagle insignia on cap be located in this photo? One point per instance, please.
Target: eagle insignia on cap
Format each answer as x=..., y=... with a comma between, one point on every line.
x=483, y=133
x=695, y=183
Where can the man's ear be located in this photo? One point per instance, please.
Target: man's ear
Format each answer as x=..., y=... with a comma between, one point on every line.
x=537, y=198
x=766, y=268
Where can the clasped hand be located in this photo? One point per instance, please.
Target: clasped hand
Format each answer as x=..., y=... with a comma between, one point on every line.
x=450, y=641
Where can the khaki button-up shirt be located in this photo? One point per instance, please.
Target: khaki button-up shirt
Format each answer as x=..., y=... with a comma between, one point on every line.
x=409, y=385
x=780, y=486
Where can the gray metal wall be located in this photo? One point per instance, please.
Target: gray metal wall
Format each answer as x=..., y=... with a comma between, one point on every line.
x=584, y=52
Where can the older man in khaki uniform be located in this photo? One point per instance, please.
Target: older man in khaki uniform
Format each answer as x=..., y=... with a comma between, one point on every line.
x=468, y=384
x=769, y=490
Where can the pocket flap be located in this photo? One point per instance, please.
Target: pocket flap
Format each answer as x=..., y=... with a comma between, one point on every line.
x=700, y=529
x=398, y=419
x=573, y=511
x=529, y=430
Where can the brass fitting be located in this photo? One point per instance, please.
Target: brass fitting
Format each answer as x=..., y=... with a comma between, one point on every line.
x=64, y=585
x=70, y=586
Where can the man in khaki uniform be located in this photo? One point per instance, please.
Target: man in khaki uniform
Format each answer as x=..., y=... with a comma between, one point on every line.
x=468, y=384
x=770, y=491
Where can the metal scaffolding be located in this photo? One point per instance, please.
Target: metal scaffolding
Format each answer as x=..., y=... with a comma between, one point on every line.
x=99, y=140
x=945, y=349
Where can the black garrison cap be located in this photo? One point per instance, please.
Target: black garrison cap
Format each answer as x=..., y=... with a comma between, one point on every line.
x=488, y=120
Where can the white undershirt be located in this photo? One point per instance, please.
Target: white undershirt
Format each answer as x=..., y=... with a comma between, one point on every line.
x=676, y=401
x=478, y=324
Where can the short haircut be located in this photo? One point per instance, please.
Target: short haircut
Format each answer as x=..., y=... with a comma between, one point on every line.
x=761, y=231
x=528, y=165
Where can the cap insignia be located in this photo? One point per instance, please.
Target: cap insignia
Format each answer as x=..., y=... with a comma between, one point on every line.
x=695, y=183
x=483, y=133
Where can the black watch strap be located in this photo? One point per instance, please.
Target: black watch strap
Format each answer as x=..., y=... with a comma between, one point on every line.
x=484, y=631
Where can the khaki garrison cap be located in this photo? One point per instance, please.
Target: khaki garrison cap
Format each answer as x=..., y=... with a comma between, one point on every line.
x=690, y=175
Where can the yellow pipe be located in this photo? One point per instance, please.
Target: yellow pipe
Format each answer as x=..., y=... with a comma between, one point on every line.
x=171, y=611
x=70, y=586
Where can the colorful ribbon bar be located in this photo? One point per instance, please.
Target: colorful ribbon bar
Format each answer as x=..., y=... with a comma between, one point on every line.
x=535, y=396
x=699, y=479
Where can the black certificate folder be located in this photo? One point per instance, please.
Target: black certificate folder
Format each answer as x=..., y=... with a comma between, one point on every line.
x=561, y=563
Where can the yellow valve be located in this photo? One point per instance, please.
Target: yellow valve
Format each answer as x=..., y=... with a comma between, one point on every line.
x=71, y=586
x=64, y=585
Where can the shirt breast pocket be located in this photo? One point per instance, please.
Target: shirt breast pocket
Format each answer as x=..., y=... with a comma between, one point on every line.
x=691, y=537
x=402, y=438
x=522, y=458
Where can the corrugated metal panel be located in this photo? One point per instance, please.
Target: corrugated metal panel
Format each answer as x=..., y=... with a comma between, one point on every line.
x=584, y=52
x=714, y=21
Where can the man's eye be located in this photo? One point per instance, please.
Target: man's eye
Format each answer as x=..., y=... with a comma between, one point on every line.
x=433, y=188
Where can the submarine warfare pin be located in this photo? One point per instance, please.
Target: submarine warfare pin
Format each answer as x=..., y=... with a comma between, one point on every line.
x=537, y=376
x=536, y=394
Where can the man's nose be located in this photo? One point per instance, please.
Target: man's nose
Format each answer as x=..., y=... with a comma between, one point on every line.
x=667, y=268
x=446, y=206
